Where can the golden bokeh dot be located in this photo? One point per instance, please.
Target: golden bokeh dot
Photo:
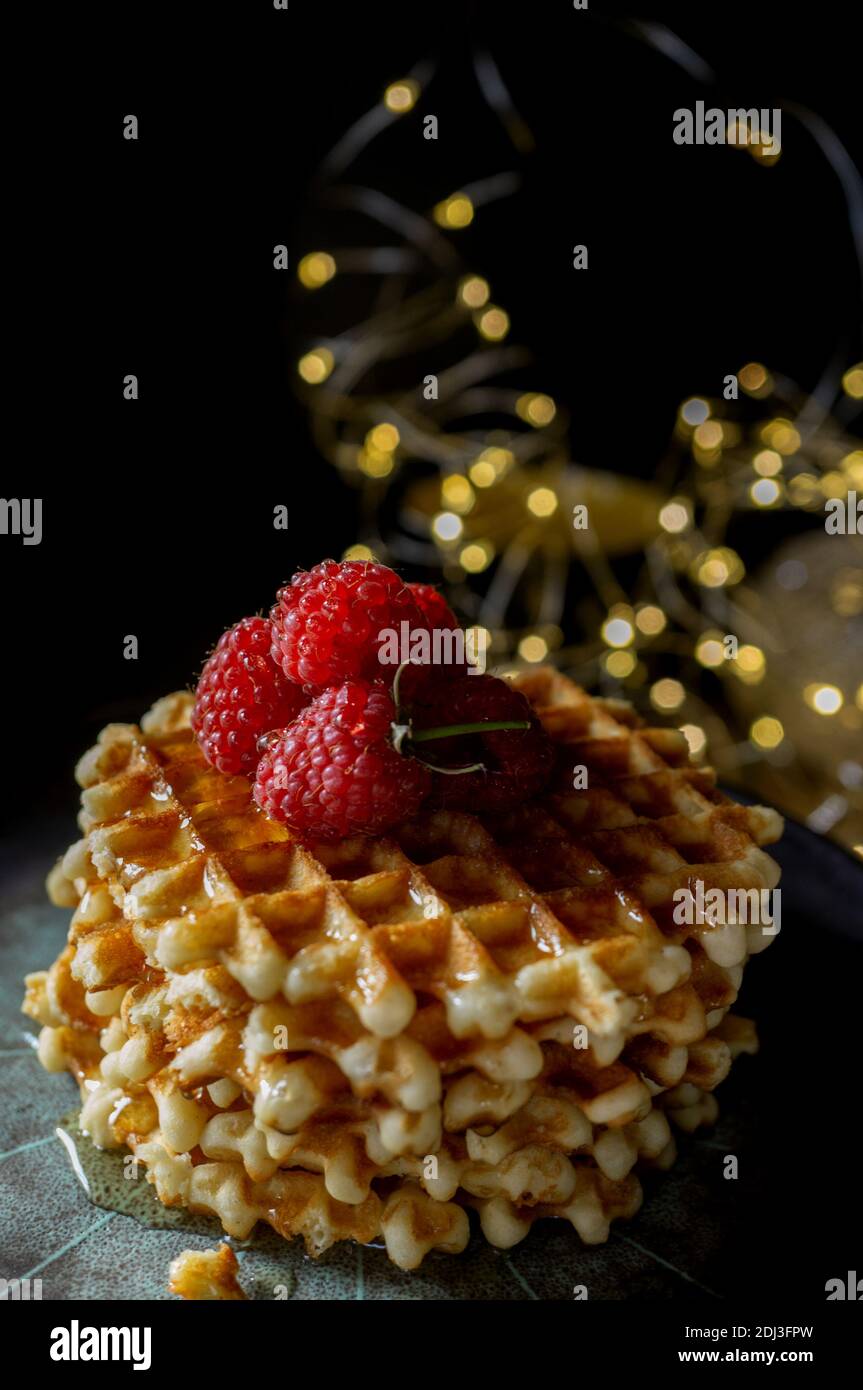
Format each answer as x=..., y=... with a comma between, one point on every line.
x=401, y=96
x=781, y=435
x=766, y=732
x=454, y=212
x=674, y=516
x=804, y=490
x=713, y=572
x=620, y=664
x=852, y=464
x=316, y=365
x=374, y=463
x=491, y=465
x=852, y=382
x=533, y=648
x=709, y=435
x=482, y=473
x=536, y=408
x=709, y=650
x=834, y=484
x=492, y=323
x=316, y=269
x=667, y=694
x=715, y=568
x=753, y=378
x=384, y=437
x=751, y=658
x=768, y=463
x=650, y=620
x=542, y=502
x=457, y=493
x=473, y=291
x=476, y=556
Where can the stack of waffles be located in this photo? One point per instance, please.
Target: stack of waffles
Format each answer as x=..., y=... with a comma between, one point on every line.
x=364, y=1040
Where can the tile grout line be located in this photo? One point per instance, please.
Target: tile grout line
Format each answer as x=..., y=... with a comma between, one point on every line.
x=681, y=1273
x=22, y=1148
x=70, y=1245
x=521, y=1280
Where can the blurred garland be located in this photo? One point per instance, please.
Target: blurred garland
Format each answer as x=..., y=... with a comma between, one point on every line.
x=782, y=713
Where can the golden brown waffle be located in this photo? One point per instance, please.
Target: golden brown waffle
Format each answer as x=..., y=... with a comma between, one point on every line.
x=206, y=1276
x=361, y=1039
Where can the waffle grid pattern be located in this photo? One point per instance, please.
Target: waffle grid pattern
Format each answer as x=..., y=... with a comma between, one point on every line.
x=362, y=1040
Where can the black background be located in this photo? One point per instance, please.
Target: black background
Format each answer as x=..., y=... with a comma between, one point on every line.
x=155, y=257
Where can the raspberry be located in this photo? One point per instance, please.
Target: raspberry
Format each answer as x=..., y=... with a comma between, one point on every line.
x=439, y=618
x=241, y=695
x=335, y=773
x=517, y=762
x=434, y=607
x=327, y=623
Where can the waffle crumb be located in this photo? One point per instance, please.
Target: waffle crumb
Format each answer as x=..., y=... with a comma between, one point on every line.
x=206, y=1275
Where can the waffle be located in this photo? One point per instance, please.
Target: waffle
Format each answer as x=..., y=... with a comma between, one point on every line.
x=364, y=1040
x=206, y=1276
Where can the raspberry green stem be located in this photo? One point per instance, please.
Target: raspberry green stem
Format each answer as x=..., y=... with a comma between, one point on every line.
x=483, y=726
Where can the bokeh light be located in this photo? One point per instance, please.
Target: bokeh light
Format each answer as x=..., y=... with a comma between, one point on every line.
x=316, y=365
x=650, y=620
x=533, y=648
x=493, y=323
x=401, y=96
x=454, y=212
x=473, y=291
x=667, y=694
x=618, y=632
x=766, y=732
x=695, y=737
x=315, y=269
x=536, y=409
x=823, y=699
x=447, y=527
x=542, y=501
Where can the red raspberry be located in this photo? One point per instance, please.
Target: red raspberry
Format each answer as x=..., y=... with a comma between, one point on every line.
x=327, y=623
x=517, y=762
x=241, y=695
x=335, y=773
x=434, y=607
x=438, y=615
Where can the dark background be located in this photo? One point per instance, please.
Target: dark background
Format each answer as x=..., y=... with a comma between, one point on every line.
x=156, y=257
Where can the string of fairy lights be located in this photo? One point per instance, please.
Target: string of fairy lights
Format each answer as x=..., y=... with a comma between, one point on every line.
x=513, y=527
